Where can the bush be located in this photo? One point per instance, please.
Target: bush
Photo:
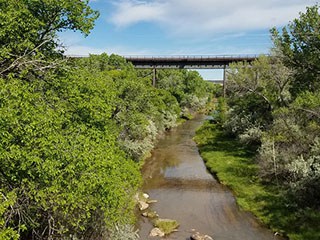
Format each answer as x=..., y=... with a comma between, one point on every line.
x=60, y=157
x=123, y=232
x=251, y=136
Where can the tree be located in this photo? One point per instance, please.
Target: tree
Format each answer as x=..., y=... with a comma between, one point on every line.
x=140, y=110
x=290, y=151
x=299, y=46
x=254, y=91
x=62, y=173
x=188, y=87
x=28, y=31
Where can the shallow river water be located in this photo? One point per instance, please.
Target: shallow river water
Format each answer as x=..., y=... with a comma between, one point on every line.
x=176, y=176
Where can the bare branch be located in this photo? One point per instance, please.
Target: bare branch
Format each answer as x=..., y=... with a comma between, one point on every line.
x=22, y=60
x=316, y=114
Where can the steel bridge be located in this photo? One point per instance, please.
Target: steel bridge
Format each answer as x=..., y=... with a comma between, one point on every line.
x=189, y=62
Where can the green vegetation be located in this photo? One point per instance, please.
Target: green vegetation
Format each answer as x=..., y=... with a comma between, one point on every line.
x=124, y=232
x=28, y=33
x=166, y=226
x=231, y=162
x=235, y=166
x=272, y=108
x=72, y=131
x=70, y=145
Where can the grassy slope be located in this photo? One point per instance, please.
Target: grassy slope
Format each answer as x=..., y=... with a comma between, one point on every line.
x=234, y=166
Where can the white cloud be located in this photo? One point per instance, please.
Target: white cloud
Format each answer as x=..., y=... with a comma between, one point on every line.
x=131, y=12
x=79, y=50
x=208, y=17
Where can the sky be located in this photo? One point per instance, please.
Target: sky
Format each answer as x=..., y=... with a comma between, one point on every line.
x=184, y=27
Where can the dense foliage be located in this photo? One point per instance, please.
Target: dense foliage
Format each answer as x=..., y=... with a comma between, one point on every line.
x=274, y=106
x=298, y=48
x=140, y=110
x=28, y=32
x=72, y=132
x=68, y=143
x=60, y=162
x=186, y=87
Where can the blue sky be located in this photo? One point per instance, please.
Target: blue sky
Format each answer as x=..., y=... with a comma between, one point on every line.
x=184, y=27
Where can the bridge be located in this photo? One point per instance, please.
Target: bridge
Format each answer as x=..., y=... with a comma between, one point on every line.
x=188, y=62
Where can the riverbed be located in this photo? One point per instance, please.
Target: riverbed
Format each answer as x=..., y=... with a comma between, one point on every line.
x=177, y=178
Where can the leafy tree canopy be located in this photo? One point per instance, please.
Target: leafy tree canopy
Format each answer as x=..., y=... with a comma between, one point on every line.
x=28, y=31
x=299, y=45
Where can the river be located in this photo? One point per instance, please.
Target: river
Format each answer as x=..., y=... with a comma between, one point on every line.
x=176, y=176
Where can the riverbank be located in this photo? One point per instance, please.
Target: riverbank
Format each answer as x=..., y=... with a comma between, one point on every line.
x=234, y=166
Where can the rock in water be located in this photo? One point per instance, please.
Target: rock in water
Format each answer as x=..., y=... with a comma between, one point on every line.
x=143, y=205
x=152, y=201
x=150, y=214
x=156, y=232
x=145, y=195
x=198, y=236
x=166, y=225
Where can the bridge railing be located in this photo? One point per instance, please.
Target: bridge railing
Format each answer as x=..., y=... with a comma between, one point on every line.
x=174, y=57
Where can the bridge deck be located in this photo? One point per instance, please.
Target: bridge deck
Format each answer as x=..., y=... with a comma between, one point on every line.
x=193, y=61
x=184, y=61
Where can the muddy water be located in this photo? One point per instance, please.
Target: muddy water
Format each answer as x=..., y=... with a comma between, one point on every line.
x=176, y=176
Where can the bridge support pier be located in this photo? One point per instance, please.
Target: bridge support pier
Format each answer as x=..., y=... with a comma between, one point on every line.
x=224, y=80
x=154, y=76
